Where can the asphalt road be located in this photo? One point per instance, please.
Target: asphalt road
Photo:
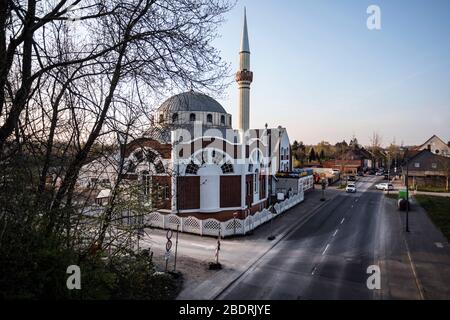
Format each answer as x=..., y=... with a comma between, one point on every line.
x=326, y=258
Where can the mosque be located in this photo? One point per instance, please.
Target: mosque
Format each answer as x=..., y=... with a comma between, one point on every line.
x=193, y=163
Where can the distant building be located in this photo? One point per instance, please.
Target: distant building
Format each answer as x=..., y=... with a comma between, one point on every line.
x=436, y=145
x=427, y=169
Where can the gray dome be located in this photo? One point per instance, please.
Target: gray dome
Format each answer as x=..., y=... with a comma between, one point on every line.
x=191, y=101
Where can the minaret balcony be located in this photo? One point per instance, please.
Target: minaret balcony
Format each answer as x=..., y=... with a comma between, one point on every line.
x=244, y=75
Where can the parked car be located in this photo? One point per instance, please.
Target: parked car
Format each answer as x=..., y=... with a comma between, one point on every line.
x=351, y=188
x=360, y=174
x=384, y=186
x=372, y=172
x=379, y=173
x=351, y=178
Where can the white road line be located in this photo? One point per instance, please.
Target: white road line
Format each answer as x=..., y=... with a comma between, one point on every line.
x=314, y=270
x=326, y=248
x=439, y=245
x=342, y=221
x=334, y=234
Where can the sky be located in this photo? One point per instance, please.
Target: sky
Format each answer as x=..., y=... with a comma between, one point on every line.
x=320, y=72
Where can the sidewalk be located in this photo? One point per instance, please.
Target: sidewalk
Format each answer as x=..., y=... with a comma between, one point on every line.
x=430, y=253
x=415, y=265
x=239, y=254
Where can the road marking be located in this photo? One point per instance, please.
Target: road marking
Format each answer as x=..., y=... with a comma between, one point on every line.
x=439, y=245
x=413, y=268
x=314, y=270
x=342, y=221
x=326, y=248
x=334, y=234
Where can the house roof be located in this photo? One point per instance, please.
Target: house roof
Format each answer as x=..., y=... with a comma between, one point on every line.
x=432, y=137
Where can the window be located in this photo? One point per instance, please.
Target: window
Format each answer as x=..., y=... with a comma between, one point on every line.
x=222, y=120
x=161, y=118
x=417, y=165
x=159, y=167
x=434, y=165
x=256, y=182
x=151, y=156
x=191, y=168
x=192, y=117
x=437, y=151
x=227, y=168
x=250, y=167
x=209, y=118
x=174, y=117
x=147, y=182
x=166, y=192
x=139, y=155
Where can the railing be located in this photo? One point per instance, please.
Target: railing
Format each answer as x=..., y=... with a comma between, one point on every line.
x=212, y=226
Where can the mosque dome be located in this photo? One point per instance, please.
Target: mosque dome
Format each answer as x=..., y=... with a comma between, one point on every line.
x=191, y=107
x=191, y=101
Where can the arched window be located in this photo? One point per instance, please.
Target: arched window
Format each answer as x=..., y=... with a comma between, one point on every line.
x=192, y=117
x=209, y=118
x=161, y=118
x=174, y=117
x=222, y=120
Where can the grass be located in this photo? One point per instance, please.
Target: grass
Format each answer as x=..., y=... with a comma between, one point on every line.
x=431, y=189
x=438, y=209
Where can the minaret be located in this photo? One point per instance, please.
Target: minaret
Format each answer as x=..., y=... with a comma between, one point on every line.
x=244, y=78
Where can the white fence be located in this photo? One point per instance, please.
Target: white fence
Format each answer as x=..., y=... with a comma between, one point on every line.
x=211, y=227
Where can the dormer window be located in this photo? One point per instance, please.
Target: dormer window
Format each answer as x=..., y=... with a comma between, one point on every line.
x=174, y=117
x=161, y=118
x=222, y=120
x=209, y=118
x=192, y=117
